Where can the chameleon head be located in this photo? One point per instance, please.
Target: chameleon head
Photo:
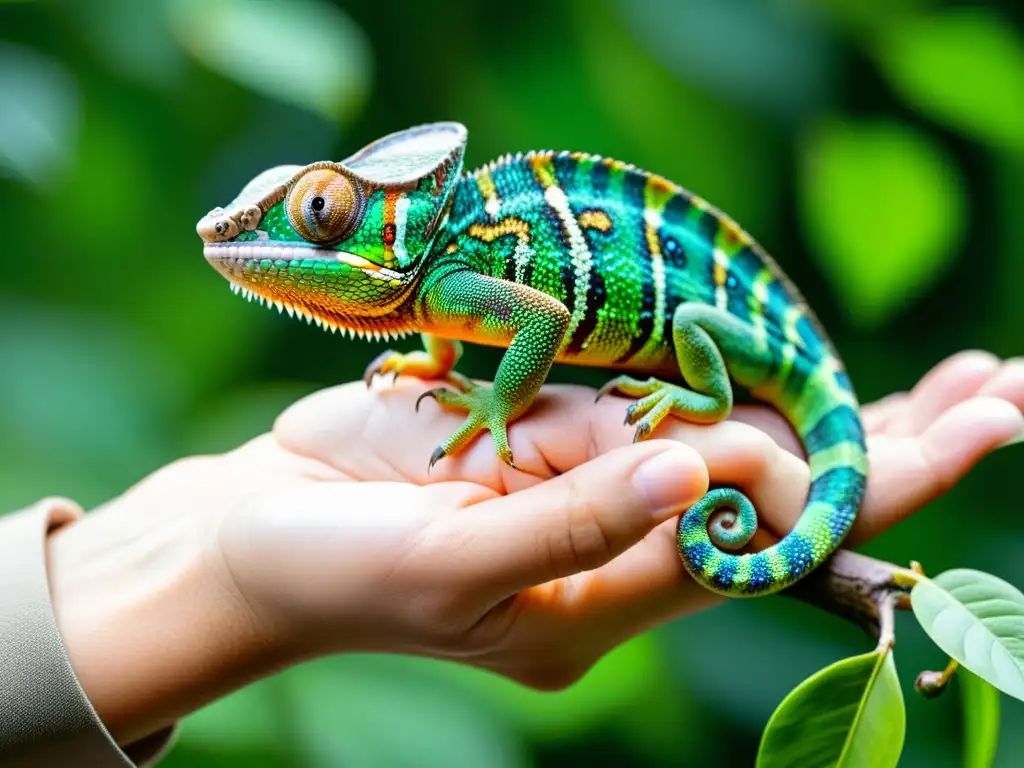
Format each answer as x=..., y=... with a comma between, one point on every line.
x=340, y=243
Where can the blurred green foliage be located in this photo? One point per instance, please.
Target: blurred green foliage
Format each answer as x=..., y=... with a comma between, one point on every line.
x=876, y=148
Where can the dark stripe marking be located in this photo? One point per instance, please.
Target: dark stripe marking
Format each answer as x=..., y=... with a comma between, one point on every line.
x=841, y=424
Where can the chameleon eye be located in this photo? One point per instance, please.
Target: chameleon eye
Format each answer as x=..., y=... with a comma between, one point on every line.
x=323, y=206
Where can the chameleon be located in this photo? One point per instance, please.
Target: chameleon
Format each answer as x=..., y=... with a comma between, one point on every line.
x=560, y=257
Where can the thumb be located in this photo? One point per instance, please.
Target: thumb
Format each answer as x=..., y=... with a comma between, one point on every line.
x=582, y=519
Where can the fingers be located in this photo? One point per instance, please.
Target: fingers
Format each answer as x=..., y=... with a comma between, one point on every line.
x=906, y=473
x=1007, y=383
x=647, y=585
x=577, y=521
x=952, y=381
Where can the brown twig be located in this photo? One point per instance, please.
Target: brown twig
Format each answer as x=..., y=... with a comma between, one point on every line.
x=860, y=589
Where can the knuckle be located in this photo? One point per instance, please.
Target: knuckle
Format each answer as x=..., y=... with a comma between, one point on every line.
x=582, y=543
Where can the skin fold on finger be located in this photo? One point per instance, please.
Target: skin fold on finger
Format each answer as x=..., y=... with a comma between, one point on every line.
x=952, y=381
x=878, y=415
x=576, y=521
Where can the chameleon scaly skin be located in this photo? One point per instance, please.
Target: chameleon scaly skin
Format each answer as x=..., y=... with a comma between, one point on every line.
x=567, y=257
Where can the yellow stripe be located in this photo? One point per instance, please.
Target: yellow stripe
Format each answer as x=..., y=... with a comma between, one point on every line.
x=657, y=193
x=846, y=454
x=489, y=192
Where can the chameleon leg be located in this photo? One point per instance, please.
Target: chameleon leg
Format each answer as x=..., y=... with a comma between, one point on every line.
x=533, y=324
x=701, y=335
x=436, y=362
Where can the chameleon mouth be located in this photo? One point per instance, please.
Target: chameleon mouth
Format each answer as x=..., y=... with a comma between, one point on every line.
x=232, y=260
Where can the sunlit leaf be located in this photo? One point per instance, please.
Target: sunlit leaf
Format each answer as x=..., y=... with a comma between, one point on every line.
x=883, y=210
x=978, y=619
x=981, y=719
x=303, y=52
x=848, y=715
x=964, y=67
x=38, y=116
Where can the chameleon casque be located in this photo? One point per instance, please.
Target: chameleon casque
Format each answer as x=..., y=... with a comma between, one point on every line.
x=567, y=257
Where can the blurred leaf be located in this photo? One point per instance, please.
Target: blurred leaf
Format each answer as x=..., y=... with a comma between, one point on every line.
x=620, y=679
x=355, y=710
x=303, y=52
x=148, y=55
x=38, y=116
x=697, y=139
x=981, y=719
x=241, y=414
x=848, y=715
x=978, y=619
x=884, y=213
x=756, y=53
x=964, y=67
x=250, y=718
x=81, y=389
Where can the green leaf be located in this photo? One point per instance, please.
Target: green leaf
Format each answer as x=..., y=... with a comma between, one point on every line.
x=978, y=619
x=963, y=67
x=884, y=214
x=304, y=52
x=848, y=715
x=981, y=719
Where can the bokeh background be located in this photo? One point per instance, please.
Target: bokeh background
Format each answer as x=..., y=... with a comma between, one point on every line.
x=875, y=147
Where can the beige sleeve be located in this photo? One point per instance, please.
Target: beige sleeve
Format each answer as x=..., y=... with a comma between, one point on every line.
x=45, y=717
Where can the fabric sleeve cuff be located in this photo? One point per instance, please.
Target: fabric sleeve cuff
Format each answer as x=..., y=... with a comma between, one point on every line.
x=45, y=717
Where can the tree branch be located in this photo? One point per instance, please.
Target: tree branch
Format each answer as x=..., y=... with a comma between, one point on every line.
x=860, y=589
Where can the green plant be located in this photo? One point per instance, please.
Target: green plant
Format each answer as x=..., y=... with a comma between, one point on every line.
x=852, y=713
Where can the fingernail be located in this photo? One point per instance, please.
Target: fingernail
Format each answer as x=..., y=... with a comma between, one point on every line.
x=666, y=481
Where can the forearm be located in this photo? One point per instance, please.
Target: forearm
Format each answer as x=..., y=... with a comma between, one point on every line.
x=150, y=625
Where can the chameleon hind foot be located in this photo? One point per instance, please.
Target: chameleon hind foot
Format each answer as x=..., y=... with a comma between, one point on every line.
x=484, y=413
x=659, y=399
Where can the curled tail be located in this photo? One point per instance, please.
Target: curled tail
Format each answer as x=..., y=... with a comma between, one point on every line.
x=826, y=416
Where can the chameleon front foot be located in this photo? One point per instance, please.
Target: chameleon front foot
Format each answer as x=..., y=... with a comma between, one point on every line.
x=484, y=413
x=659, y=399
x=435, y=362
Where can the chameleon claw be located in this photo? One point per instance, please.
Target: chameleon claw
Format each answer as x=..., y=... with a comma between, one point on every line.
x=506, y=456
x=642, y=431
x=435, y=457
x=429, y=393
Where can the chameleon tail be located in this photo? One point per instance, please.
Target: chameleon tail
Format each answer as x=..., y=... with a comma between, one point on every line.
x=826, y=417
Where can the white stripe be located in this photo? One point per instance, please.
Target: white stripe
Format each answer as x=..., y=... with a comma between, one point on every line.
x=579, y=255
x=760, y=291
x=401, y=214
x=522, y=255
x=653, y=219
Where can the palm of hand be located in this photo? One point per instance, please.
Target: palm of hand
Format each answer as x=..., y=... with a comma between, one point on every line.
x=346, y=542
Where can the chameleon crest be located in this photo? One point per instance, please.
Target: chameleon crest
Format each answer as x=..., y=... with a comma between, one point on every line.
x=336, y=242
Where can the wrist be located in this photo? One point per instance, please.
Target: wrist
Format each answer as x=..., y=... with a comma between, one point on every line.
x=152, y=629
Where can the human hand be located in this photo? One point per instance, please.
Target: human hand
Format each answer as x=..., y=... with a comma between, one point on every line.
x=309, y=541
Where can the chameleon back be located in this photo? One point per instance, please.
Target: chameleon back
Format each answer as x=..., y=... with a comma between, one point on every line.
x=623, y=250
